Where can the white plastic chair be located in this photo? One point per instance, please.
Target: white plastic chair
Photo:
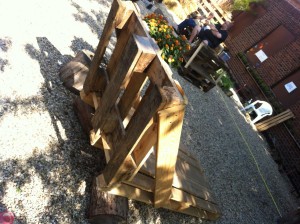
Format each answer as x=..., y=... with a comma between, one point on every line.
x=261, y=108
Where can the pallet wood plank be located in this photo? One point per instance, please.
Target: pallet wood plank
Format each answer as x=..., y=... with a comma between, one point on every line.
x=135, y=51
x=122, y=41
x=210, y=8
x=131, y=192
x=114, y=18
x=181, y=196
x=131, y=93
x=180, y=207
x=215, y=5
x=264, y=125
x=142, y=181
x=169, y=132
x=84, y=113
x=188, y=158
x=116, y=171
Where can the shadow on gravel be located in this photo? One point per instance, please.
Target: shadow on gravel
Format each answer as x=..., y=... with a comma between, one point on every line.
x=5, y=44
x=69, y=163
x=85, y=17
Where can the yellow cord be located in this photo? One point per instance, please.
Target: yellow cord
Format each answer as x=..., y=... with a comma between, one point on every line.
x=253, y=157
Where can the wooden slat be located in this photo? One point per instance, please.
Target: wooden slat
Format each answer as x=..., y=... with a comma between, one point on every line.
x=180, y=207
x=203, y=10
x=87, y=98
x=190, y=172
x=131, y=93
x=144, y=144
x=160, y=74
x=114, y=18
x=262, y=126
x=187, y=178
x=187, y=157
x=143, y=182
x=131, y=192
x=115, y=171
x=220, y=10
x=169, y=131
x=210, y=8
x=149, y=166
x=201, y=190
x=137, y=49
x=181, y=196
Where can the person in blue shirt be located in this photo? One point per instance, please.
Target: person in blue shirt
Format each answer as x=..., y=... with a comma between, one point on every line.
x=211, y=35
x=191, y=22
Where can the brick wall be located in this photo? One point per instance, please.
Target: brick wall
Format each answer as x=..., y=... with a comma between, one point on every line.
x=275, y=68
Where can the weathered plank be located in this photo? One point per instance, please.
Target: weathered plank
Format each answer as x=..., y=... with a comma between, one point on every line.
x=116, y=171
x=84, y=113
x=142, y=181
x=169, y=131
x=181, y=196
x=279, y=118
x=136, y=50
x=115, y=18
x=210, y=8
x=132, y=193
x=131, y=93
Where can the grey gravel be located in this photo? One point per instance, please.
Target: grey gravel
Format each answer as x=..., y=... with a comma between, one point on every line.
x=46, y=162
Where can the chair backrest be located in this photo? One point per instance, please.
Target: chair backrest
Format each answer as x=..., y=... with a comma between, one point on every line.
x=264, y=108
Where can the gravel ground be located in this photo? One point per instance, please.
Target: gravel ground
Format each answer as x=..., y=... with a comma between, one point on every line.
x=46, y=162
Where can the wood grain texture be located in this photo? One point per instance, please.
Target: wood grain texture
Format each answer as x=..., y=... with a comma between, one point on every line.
x=115, y=171
x=114, y=18
x=169, y=132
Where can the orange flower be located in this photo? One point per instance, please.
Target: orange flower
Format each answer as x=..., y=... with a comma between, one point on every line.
x=167, y=46
x=183, y=37
x=188, y=47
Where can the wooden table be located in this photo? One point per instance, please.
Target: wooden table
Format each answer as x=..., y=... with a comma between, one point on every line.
x=201, y=66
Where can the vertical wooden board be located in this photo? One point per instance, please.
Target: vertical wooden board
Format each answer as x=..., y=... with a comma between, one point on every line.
x=145, y=143
x=122, y=71
x=169, y=132
x=131, y=93
x=122, y=41
x=143, y=146
x=84, y=113
x=87, y=98
x=115, y=16
x=139, y=53
x=220, y=20
x=115, y=171
x=148, y=167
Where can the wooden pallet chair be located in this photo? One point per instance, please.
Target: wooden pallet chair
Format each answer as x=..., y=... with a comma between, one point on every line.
x=138, y=118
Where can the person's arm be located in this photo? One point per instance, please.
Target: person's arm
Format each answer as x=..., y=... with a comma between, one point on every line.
x=194, y=33
x=215, y=31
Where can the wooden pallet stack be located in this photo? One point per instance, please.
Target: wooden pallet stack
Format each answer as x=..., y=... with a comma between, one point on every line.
x=138, y=118
x=211, y=6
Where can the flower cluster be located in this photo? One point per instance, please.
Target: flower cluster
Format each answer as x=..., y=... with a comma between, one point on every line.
x=172, y=47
